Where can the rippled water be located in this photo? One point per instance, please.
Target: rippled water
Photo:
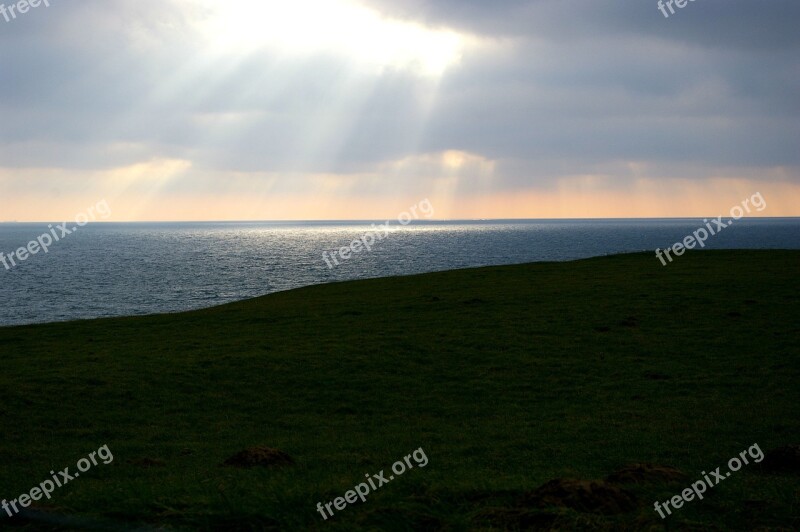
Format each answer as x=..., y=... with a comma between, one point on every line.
x=126, y=269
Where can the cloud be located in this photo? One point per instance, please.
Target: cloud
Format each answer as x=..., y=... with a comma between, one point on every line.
x=735, y=24
x=524, y=95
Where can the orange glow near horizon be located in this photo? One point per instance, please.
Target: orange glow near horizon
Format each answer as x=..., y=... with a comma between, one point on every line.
x=573, y=199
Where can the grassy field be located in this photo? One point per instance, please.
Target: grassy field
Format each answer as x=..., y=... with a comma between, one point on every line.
x=507, y=377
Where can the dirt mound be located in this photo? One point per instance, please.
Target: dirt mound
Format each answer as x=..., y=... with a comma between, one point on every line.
x=784, y=459
x=646, y=473
x=259, y=457
x=589, y=496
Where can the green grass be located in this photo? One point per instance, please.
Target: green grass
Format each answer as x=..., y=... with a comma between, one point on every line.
x=507, y=377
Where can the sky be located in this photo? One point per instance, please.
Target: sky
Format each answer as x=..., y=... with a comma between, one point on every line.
x=357, y=109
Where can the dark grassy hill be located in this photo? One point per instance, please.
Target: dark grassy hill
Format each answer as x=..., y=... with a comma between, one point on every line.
x=507, y=377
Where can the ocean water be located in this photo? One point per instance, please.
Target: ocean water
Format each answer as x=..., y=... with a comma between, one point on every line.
x=108, y=269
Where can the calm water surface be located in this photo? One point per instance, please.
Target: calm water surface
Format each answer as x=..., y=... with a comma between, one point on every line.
x=129, y=269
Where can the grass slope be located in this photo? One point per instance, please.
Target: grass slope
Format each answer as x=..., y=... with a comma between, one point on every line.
x=507, y=377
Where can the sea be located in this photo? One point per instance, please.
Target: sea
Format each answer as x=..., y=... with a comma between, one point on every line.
x=125, y=269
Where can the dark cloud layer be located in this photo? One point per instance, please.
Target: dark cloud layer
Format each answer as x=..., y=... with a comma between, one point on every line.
x=555, y=88
x=739, y=24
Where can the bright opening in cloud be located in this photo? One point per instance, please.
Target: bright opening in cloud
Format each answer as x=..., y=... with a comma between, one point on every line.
x=303, y=27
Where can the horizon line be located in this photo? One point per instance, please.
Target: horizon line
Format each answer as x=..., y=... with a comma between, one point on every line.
x=427, y=220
